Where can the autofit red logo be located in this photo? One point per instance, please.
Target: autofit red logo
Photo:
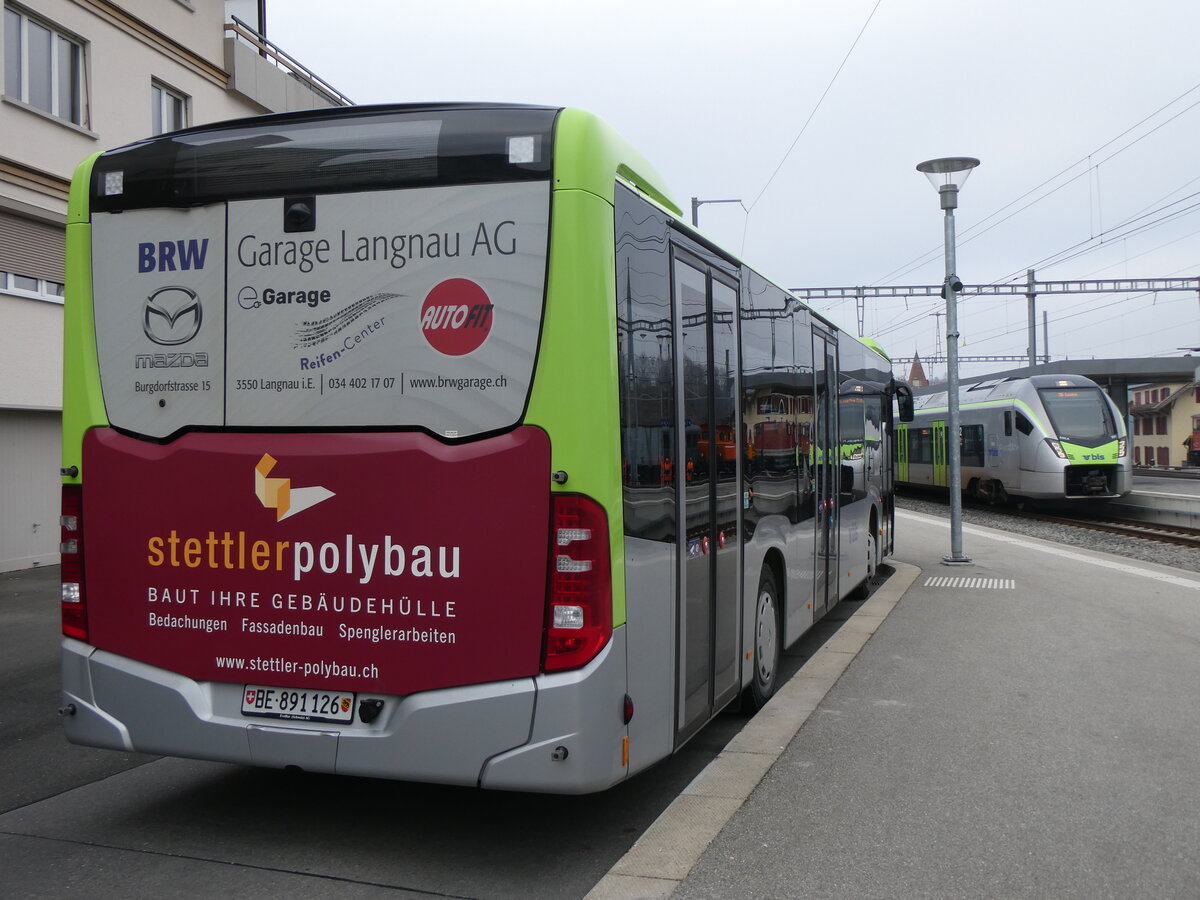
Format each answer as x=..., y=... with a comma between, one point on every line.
x=456, y=317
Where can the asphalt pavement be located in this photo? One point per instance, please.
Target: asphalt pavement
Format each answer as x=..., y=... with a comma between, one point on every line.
x=38, y=761
x=1023, y=726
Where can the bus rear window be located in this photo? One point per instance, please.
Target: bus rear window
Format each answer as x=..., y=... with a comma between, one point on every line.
x=416, y=308
x=353, y=149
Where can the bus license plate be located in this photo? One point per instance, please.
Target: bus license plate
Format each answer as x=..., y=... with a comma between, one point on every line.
x=293, y=703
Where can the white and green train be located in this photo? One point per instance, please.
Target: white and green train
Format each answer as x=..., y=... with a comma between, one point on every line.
x=1048, y=437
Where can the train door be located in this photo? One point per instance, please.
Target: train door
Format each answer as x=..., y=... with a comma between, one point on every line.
x=939, y=454
x=826, y=453
x=708, y=600
x=902, y=453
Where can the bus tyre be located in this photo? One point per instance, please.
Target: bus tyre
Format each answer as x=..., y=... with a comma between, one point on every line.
x=768, y=642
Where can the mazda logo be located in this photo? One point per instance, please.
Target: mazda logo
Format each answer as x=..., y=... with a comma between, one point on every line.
x=172, y=316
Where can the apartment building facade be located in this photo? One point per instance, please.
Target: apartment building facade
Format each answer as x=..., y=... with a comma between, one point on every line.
x=81, y=76
x=1164, y=420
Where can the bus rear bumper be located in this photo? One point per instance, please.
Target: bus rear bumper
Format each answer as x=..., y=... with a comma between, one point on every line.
x=503, y=735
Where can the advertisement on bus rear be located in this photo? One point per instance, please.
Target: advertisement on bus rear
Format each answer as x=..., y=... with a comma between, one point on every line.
x=361, y=562
x=415, y=308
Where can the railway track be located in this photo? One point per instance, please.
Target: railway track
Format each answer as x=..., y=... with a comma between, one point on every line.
x=1178, y=535
x=1096, y=520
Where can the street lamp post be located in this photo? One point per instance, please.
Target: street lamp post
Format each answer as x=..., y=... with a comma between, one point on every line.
x=943, y=174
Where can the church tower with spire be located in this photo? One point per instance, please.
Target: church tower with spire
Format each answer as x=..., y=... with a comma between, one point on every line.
x=916, y=375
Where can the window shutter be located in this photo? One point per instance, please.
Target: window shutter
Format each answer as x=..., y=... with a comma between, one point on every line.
x=32, y=248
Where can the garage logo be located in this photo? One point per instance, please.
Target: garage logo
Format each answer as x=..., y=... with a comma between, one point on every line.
x=456, y=317
x=317, y=331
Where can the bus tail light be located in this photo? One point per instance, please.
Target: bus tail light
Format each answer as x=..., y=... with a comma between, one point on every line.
x=74, y=610
x=579, y=599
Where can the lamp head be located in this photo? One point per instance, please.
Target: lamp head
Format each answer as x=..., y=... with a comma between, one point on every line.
x=946, y=171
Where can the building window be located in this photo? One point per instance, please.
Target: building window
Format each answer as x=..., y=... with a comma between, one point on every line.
x=168, y=109
x=34, y=288
x=1160, y=425
x=43, y=67
x=1137, y=456
x=1164, y=457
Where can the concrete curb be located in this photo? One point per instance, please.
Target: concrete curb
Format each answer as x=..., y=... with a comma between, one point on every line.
x=662, y=857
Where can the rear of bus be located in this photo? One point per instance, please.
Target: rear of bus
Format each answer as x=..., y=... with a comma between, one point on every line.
x=329, y=500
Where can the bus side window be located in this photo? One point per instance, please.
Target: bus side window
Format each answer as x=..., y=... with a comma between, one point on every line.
x=1008, y=423
x=1024, y=425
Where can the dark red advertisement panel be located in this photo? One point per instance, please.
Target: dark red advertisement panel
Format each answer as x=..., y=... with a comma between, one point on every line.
x=369, y=562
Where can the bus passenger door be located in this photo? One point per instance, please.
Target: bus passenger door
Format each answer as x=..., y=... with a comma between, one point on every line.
x=827, y=457
x=877, y=460
x=708, y=599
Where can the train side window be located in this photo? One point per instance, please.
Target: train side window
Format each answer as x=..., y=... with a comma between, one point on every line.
x=920, y=448
x=1008, y=423
x=1024, y=425
x=971, y=445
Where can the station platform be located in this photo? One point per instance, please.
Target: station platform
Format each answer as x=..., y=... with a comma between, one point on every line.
x=1160, y=499
x=1024, y=725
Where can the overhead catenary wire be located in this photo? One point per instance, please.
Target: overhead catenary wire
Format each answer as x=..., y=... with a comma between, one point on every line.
x=1117, y=232
x=970, y=233
x=1155, y=215
x=1146, y=252
x=1089, y=308
x=816, y=107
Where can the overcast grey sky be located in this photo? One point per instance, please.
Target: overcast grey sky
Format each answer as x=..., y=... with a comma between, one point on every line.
x=1084, y=113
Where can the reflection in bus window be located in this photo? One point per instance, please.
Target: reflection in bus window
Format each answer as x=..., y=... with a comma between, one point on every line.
x=646, y=362
x=778, y=413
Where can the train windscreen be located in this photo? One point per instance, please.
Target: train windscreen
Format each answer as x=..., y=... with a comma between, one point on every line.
x=1079, y=415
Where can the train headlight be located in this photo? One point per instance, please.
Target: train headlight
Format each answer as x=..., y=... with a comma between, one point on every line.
x=1121, y=448
x=1057, y=448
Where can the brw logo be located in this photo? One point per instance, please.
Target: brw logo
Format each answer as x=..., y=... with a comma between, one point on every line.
x=172, y=256
x=278, y=493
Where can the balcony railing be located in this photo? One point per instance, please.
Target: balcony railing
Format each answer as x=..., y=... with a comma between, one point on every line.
x=243, y=32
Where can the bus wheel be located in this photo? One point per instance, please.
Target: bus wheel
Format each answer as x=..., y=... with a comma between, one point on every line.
x=768, y=642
